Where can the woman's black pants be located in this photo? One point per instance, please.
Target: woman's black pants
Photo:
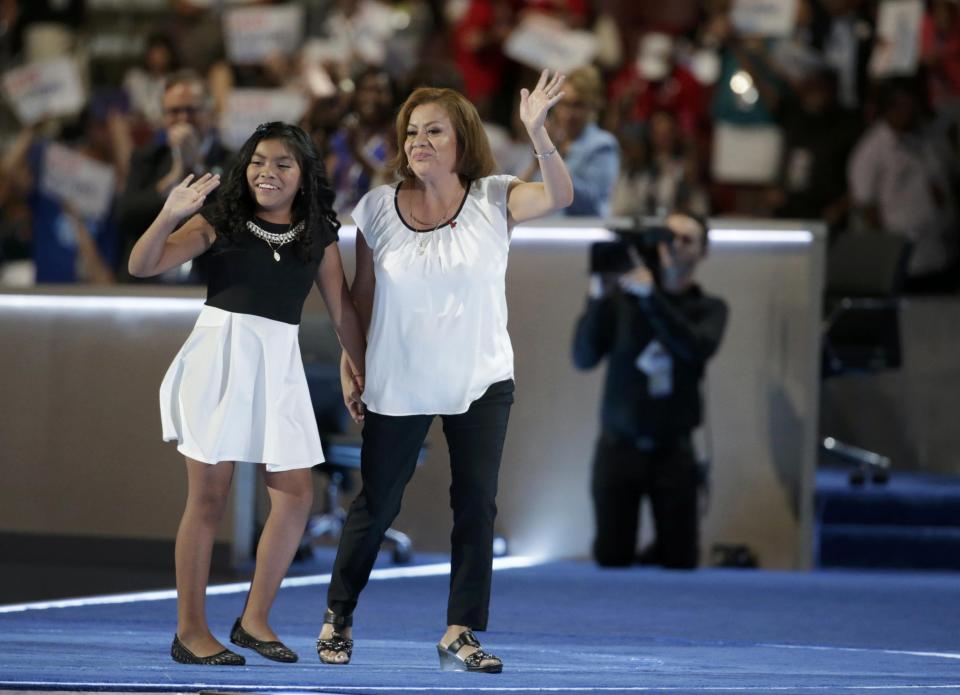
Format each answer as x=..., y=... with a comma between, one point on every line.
x=391, y=446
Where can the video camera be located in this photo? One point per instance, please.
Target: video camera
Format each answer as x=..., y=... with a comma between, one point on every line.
x=636, y=242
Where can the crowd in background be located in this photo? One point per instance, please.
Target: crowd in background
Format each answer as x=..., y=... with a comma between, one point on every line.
x=668, y=106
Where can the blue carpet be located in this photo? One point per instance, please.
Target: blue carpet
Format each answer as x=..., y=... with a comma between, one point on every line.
x=912, y=522
x=564, y=626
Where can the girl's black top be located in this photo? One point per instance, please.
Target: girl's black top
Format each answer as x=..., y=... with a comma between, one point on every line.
x=243, y=277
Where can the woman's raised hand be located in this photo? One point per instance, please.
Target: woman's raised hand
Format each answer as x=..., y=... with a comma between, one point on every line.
x=189, y=196
x=535, y=105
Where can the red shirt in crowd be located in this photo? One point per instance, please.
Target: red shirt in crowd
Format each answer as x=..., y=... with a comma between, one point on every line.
x=941, y=51
x=679, y=92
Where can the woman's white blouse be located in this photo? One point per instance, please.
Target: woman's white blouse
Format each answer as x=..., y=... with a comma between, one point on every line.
x=438, y=334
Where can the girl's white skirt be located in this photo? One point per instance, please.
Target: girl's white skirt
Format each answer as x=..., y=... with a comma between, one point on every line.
x=236, y=391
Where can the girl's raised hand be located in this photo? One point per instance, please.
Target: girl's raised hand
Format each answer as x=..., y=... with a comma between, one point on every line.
x=189, y=196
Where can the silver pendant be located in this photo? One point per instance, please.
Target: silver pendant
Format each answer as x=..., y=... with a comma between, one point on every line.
x=276, y=256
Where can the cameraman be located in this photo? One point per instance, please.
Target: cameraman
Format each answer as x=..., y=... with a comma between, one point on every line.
x=659, y=329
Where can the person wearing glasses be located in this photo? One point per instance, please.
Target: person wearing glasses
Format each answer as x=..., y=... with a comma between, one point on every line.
x=657, y=328
x=188, y=144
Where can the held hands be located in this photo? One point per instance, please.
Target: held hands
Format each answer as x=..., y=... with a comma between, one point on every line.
x=188, y=196
x=352, y=385
x=535, y=105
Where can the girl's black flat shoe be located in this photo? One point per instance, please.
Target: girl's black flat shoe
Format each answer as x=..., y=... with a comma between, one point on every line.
x=450, y=661
x=183, y=655
x=274, y=650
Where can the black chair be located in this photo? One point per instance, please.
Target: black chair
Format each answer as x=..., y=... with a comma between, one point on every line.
x=342, y=452
x=861, y=328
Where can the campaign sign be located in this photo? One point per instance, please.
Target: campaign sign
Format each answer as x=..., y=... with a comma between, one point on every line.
x=897, y=48
x=44, y=89
x=764, y=17
x=248, y=108
x=253, y=34
x=746, y=154
x=80, y=182
x=543, y=42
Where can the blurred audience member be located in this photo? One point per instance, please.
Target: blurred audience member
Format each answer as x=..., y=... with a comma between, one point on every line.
x=903, y=181
x=845, y=36
x=592, y=155
x=477, y=47
x=940, y=53
x=9, y=30
x=749, y=89
x=660, y=171
x=322, y=120
x=144, y=83
x=187, y=145
x=197, y=29
x=793, y=57
x=363, y=29
x=67, y=246
x=16, y=266
x=360, y=149
x=818, y=136
x=42, y=29
x=746, y=142
x=656, y=82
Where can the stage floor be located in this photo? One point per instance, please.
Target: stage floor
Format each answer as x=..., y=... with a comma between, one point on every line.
x=559, y=627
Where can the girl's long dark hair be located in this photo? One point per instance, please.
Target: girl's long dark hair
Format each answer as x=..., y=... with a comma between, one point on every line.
x=313, y=203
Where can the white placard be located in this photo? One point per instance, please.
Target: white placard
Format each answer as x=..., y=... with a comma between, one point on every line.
x=543, y=42
x=248, y=108
x=746, y=153
x=764, y=17
x=77, y=180
x=44, y=89
x=253, y=34
x=898, y=38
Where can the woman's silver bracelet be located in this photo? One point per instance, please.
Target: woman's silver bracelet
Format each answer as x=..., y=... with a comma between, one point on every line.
x=545, y=155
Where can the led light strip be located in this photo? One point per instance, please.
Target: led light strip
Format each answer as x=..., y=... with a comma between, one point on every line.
x=748, y=237
x=40, y=302
x=434, y=570
x=760, y=236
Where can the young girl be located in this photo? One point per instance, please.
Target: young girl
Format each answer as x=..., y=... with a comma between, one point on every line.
x=236, y=391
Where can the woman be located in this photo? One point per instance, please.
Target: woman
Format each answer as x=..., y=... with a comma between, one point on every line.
x=362, y=145
x=659, y=170
x=435, y=248
x=236, y=391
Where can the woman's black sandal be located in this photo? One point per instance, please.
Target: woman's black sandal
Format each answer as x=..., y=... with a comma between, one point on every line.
x=450, y=661
x=275, y=650
x=183, y=655
x=336, y=642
